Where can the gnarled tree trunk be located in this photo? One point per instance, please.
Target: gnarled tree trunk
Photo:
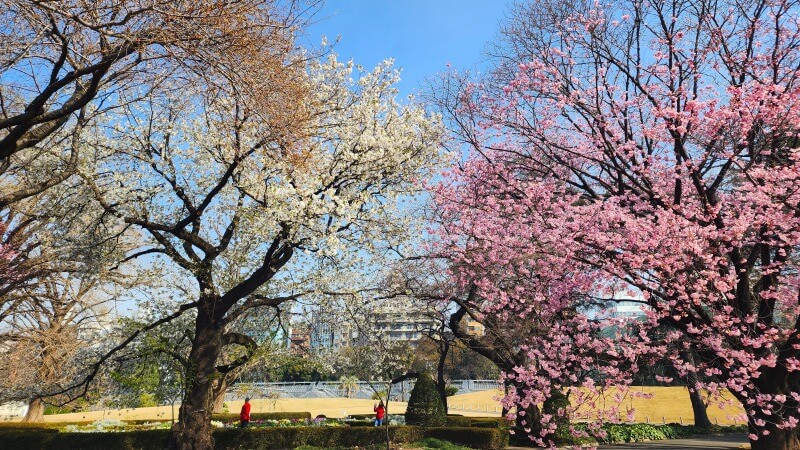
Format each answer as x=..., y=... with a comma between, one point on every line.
x=193, y=430
x=773, y=381
x=776, y=440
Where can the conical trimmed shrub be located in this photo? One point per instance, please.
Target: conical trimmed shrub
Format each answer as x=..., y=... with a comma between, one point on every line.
x=424, y=406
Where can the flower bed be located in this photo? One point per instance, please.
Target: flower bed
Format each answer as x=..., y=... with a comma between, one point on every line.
x=113, y=426
x=281, y=423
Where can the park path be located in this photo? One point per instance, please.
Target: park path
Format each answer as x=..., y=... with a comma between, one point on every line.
x=733, y=441
x=728, y=442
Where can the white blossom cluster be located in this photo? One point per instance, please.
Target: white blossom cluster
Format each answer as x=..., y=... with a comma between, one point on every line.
x=333, y=185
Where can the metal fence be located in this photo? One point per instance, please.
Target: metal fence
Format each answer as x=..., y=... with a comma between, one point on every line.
x=339, y=389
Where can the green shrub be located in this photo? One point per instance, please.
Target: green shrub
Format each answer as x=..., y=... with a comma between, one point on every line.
x=54, y=426
x=264, y=416
x=61, y=425
x=450, y=391
x=424, y=405
x=19, y=436
x=490, y=422
x=361, y=423
x=637, y=432
x=37, y=440
x=146, y=400
x=380, y=395
x=252, y=439
x=458, y=421
x=643, y=431
x=432, y=443
x=484, y=438
x=325, y=437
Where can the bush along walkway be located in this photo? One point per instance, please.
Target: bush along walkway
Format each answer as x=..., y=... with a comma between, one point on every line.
x=673, y=435
x=30, y=438
x=724, y=442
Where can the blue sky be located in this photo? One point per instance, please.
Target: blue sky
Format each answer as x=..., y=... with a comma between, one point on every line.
x=423, y=36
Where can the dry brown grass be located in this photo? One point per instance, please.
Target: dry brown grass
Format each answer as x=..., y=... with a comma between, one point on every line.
x=670, y=404
x=330, y=407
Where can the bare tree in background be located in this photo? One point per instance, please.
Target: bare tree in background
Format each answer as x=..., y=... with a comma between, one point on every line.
x=61, y=317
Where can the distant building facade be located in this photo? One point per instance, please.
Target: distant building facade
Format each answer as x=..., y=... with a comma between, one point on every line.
x=299, y=340
x=402, y=323
x=398, y=320
x=628, y=309
x=329, y=332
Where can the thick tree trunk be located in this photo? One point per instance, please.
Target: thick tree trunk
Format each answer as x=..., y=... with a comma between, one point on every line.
x=776, y=440
x=528, y=421
x=699, y=409
x=698, y=405
x=557, y=405
x=35, y=411
x=193, y=430
x=775, y=381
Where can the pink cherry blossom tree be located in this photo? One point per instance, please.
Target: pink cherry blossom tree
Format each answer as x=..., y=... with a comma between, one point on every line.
x=645, y=152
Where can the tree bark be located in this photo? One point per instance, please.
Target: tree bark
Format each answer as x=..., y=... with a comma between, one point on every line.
x=698, y=406
x=773, y=381
x=699, y=409
x=219, y=394
x=441, y=385
x=193, y=430
x=776, y=440
x=35, y=411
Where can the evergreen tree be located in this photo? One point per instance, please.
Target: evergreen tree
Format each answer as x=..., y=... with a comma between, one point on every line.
x=424, y=406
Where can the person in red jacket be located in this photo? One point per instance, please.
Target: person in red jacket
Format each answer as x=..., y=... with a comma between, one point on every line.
x=380, y=413
x=244, y=416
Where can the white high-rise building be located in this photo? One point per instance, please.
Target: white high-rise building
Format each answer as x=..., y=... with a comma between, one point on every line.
x=402, y=322
x=395, y=320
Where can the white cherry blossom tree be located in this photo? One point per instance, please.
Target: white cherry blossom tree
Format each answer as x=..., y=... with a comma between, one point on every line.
x=217, y=185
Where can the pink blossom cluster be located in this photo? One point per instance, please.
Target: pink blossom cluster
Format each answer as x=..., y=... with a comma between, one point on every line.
x=673, y=182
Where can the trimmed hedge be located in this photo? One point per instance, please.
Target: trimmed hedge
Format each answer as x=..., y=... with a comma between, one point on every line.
x=58, y=425
x=458, y=421
x=325, y=437
x=638, y=432
x=643, y=431
x=483, y=438
x=361, y=423
x=455, y=420
x=45, y=426
x=299, y=415
x=41, y=439
x=252, y=439
x=264, y=439
x=490, y=422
